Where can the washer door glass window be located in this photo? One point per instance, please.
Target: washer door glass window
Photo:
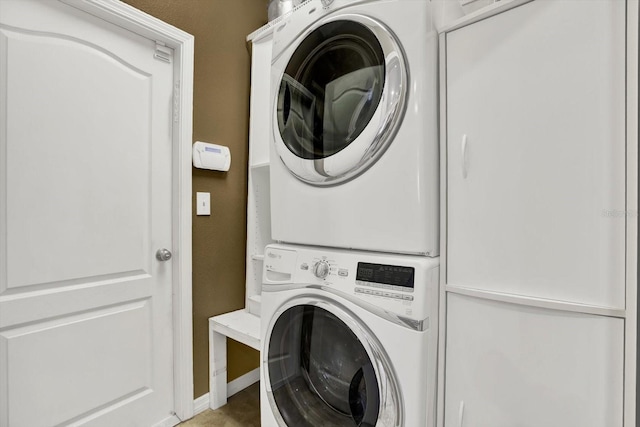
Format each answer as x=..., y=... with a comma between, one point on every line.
x=320, y=373
x=340, y=97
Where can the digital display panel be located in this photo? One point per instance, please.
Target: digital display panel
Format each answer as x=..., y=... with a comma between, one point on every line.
x=386, y=274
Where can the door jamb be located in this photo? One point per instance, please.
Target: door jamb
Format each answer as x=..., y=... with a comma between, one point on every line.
x=182, y=43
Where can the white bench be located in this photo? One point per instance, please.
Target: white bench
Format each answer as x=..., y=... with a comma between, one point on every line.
x=239, y=325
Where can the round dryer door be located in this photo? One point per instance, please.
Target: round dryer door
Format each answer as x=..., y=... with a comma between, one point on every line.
x=323, y=368
x=340, y=99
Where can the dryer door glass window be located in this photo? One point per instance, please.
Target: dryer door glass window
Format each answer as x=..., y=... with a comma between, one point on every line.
x=330, y=89
x=319, y=371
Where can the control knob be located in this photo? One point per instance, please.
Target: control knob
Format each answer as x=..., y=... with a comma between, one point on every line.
x=321, y=269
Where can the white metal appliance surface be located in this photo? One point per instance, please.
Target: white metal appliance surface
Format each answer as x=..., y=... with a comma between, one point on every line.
x=354, y=127
x=348, y=338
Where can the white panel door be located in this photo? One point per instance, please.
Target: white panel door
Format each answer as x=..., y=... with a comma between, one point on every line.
x=510, y=365
x=85, y=203
x=536, y=152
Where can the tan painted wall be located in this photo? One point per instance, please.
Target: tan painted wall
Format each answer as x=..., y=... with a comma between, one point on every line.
x=221, y=115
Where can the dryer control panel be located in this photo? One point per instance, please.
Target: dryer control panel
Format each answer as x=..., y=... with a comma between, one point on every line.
x=406, y=285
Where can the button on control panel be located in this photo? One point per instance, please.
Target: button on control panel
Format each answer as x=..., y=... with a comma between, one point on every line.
x=386, y=294
x=384, y=290
x=383, y=286
x=324, y=268
x=321, y=269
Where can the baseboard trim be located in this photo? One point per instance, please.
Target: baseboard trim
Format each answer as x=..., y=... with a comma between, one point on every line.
x=243, y=382
x=170, y=421
x=201, y=404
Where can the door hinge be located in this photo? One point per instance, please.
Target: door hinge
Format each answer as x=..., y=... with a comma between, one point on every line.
x=163, y=52
x=176, y=101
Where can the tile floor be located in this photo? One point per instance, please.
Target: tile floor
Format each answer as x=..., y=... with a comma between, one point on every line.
x=241, y=410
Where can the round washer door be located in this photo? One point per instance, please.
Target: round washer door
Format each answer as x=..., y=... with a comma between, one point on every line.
x=322, y=367
x=340, y=99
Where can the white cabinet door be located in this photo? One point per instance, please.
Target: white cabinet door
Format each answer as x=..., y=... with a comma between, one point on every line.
x=536, y=152
x=85, y=202
x=509, y=365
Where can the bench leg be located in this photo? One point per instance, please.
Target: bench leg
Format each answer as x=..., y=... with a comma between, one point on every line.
x=217, y=369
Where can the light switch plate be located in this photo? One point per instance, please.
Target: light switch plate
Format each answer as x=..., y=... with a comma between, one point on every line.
x=203, y=203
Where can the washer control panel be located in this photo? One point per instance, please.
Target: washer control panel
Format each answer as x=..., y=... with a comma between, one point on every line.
x=403, y=284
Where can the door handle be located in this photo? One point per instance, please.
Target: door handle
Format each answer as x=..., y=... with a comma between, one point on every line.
x=465, y=157
x=461, y=413
x=163, y=254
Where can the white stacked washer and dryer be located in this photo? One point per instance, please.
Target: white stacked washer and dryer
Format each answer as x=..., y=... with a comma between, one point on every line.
x=350, y=294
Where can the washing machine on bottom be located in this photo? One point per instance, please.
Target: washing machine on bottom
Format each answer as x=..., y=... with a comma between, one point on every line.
x=348, y=338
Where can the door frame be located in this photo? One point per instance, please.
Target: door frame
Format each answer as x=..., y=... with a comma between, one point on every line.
x=182, y=43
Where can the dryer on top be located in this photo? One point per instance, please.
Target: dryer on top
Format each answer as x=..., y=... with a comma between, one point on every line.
x=354, y=126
